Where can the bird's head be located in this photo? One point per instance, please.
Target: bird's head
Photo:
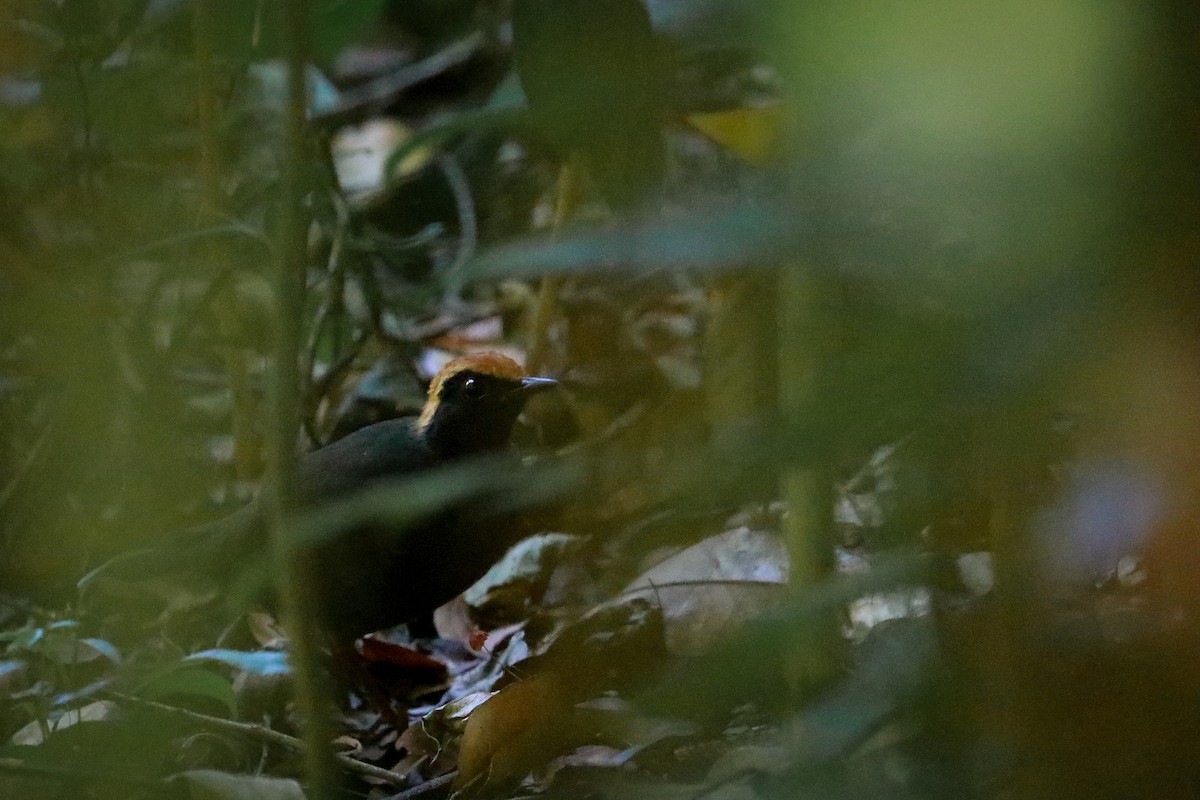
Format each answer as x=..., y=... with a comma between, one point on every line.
x=474, y=401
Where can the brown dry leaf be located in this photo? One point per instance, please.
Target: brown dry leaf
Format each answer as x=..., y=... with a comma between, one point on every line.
x=517, y=729
x=453, y=621
x=713, y=586
x=435, y=737
x=411, y=663
x=519, y=578
x=347, y=744
x=589, y=756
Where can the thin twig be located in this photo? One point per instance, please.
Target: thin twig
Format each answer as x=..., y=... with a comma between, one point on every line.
x=445, y=323
x=18, y=767
x=24, y=469
x=464, y=203
x=386, y=88
x=89, y=182
x=321, y=386
x=258, y=733
x=566, y=200
x=429, y=786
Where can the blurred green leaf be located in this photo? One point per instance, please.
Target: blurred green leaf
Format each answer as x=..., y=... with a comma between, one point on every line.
x=499, y=480
x=721, y=240
x=23, y=638
x=691, y=24
x=65, y=649
x=104, y=648
x=34, y=732
x=607, y=110
x=335, y=23
x=249, y=31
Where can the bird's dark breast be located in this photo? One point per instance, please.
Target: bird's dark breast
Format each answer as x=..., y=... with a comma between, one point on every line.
x=376, y=576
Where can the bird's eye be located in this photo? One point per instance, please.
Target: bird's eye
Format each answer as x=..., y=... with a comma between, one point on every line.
x=472, y=389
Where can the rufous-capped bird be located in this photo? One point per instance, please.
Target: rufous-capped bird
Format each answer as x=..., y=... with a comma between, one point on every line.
x=372, y=577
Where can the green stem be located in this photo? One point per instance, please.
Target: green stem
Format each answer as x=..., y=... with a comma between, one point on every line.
x=806, y=355
x=298, y=609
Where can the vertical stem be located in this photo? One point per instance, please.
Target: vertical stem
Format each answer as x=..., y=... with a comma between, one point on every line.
x=85, y=103
x=298, y=610
x=741, y=351
x=206, y=106
x=228, y=314
x=566, y=200
x=805, y=359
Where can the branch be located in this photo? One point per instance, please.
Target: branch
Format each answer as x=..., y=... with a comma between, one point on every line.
x=259, y=733
x=386, y=88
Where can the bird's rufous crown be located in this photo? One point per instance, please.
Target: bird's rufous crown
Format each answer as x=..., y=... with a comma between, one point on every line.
x=494, y=364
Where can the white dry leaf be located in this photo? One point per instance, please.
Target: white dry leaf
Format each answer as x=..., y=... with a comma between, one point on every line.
x=208, y=784
x=98, y=711
x=712, y=587
x=976, y=572
x=360, y=155
x=871, y=610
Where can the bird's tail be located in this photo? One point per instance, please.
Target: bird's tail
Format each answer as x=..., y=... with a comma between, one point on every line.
x=203, y=550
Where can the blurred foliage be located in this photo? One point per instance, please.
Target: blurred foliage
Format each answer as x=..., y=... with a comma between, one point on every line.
x=908, y=288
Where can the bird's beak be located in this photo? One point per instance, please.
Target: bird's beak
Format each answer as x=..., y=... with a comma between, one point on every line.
x=535, y=385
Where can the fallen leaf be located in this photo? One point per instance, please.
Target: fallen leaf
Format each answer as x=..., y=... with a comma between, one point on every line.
x=436, y=736
x=453, y=621
x=415, y=664
x=712, y=587
x=207, y=784
x=360, y=155
x=265, y=630
x=517, y=729
x=99, y=711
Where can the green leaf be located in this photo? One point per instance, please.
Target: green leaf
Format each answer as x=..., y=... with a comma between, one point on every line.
x=139, y=746
x=62, y=645
x=104, y=648
x=190, y=681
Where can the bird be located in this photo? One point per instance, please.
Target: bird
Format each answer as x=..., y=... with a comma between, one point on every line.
x=374, y=577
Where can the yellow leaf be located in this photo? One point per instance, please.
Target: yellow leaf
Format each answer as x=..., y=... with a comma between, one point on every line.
x=752, y=133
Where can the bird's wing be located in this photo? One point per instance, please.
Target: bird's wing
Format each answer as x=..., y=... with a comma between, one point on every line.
x=387, y=448
x=390, y=448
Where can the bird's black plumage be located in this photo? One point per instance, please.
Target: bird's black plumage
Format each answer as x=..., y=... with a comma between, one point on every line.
x=371, y=577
